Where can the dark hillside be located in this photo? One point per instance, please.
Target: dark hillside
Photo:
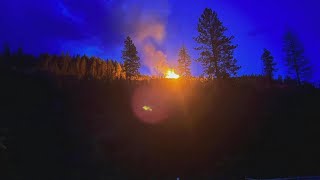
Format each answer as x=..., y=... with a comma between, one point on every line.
x=65, y=128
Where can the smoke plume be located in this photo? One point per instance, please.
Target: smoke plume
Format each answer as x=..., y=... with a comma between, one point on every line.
x=149, y=30
x=155, y=60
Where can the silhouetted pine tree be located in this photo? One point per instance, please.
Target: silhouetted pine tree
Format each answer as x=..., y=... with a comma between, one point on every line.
x=110, y=69
x=268, y=64
x=83, y=66
x=216, y=50
x=92, y=67
x=131, y=58
x=44, y=62
x=119, y=72
x=184, y=62
x=5, y=56
x=295, y=60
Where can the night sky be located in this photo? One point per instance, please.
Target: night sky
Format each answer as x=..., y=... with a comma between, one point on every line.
x=159, y=28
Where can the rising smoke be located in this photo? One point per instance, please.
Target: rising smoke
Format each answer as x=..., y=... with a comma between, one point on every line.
x=148, y=20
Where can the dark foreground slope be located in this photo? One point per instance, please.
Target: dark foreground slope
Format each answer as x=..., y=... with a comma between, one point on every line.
x=76, y=129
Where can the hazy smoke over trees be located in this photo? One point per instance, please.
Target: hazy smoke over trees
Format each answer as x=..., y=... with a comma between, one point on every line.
x=148, y=30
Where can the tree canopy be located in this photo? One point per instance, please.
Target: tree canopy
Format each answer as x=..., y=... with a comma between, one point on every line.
x=184, y=62
x=131, y=58
x=215, y=47
x=268, y=64
x=295, y=60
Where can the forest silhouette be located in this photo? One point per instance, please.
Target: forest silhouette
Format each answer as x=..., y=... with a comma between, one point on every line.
x=79, y=117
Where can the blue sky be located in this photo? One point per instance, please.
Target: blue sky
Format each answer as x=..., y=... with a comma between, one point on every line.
x=98, y=27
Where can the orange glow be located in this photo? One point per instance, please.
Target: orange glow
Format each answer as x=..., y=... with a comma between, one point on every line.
x=170, y=74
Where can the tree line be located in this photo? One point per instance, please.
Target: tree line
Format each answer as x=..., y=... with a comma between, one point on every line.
x=215, y=50
x=216, y=53
x=82, y=67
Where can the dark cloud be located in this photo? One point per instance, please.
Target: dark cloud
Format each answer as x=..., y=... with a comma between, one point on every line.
x=56, y=24
x=99, y=18
x=34, y=23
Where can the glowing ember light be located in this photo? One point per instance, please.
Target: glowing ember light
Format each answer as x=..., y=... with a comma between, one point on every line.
x=147, y=108
x=170, y=74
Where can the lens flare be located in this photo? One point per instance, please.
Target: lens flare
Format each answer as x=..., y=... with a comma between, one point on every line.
x=150, y=104
x=147, y=108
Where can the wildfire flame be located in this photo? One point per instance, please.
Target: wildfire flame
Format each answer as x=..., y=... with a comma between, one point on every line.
x=170, y=74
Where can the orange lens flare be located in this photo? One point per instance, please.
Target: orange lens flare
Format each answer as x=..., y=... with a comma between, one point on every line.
x=147, y=108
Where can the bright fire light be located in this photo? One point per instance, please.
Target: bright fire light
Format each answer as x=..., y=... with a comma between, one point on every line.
x=170, y=74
